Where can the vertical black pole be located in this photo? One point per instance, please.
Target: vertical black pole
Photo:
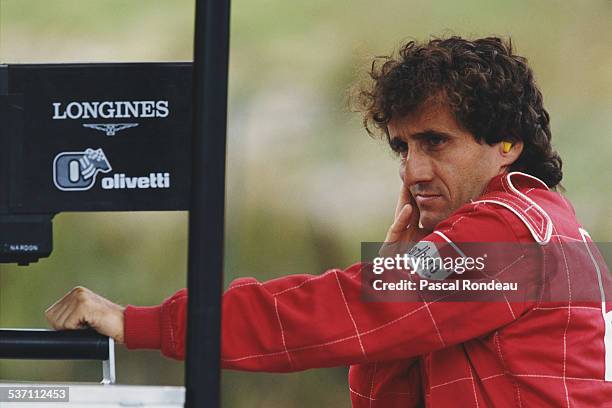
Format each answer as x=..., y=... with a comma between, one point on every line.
x=206, y=215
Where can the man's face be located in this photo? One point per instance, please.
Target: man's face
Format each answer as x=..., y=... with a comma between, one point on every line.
x=441, y=163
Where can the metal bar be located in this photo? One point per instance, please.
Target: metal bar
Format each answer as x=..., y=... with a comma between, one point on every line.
x=39, y=344
x=108, y=366
x=3, y=79
x=207, y=204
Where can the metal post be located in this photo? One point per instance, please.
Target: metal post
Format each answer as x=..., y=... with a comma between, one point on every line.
x=206, y=215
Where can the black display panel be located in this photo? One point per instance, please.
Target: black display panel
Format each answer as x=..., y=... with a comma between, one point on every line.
x=95, y=137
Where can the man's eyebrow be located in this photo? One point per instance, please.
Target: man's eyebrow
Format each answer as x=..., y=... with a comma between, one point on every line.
x=430, y=133
x=421, y=135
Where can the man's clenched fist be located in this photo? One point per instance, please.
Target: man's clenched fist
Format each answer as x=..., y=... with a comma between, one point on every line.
x=81, y=308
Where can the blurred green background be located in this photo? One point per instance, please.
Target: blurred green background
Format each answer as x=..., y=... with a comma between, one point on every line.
x=305, y=184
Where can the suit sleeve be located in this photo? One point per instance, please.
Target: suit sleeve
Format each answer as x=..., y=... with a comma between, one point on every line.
x=306, y=321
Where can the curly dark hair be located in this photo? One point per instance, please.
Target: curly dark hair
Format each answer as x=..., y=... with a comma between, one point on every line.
x=491, y=91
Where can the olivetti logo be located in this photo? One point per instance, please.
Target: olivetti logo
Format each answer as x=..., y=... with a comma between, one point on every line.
x=76, y=171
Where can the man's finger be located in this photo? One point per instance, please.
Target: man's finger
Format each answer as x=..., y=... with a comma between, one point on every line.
x=75, y=321
x=401, y=223
x=61, y=318
x=403, y=219
x=403, y=199
x=63, y=299
x=54, y=312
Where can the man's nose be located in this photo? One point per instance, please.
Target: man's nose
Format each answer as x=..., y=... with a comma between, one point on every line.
x=417, y=168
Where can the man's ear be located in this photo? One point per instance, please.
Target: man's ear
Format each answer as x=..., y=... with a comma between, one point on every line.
x=510, y=151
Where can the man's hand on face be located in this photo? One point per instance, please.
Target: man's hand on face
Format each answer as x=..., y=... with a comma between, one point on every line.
x=81, y=308
x=405, y=228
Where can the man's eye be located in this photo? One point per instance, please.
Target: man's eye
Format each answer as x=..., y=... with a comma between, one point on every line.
x=435, y=141
x=399, y=146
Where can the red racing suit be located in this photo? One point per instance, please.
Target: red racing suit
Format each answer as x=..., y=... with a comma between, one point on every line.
x=550, y=350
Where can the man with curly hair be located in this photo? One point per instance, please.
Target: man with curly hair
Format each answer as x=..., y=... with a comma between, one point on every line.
x=477, y=165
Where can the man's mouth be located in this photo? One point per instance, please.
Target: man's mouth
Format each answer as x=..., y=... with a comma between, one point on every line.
x=424, y=199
